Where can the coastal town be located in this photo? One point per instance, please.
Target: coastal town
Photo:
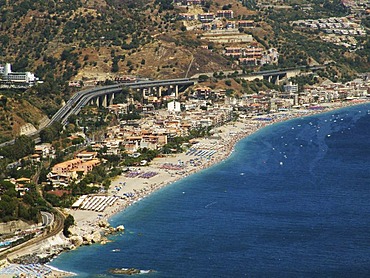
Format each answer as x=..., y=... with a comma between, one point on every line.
x=104, y=103
x=225, y=120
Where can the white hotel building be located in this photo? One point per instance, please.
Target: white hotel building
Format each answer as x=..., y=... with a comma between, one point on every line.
x=9, y=78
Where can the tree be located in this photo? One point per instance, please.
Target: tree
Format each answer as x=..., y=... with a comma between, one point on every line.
x=22, y=147
x=203, y=77
x=51, y=133
x=115, y=67
x=68, y=222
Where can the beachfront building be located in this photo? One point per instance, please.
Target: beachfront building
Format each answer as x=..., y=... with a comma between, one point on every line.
x=333, y=92
x=62, y=173
x=154, y=131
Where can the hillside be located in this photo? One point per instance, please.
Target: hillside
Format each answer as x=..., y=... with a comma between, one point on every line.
x=82, y=40
x=85, y=39
x=89, y=41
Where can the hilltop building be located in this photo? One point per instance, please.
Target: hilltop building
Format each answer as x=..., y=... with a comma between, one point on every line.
x=8, y=78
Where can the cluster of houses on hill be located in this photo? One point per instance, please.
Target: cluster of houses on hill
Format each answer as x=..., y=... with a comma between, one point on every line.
x=338, y=30
x=252, y=56
x=358, y=7
x=221, y=27
x=333, y=25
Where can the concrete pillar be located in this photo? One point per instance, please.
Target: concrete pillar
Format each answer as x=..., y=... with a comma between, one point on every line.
x=98, y=101
x=111, y=99
x=176, y=91
x=277, y=80
x=145, y=96
x=105, y=101
x=159, y=91
x=269, y=78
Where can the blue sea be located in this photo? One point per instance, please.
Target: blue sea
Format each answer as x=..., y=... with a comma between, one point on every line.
x=293, y=200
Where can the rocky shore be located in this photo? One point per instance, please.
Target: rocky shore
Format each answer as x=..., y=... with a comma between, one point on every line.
x=50, y=250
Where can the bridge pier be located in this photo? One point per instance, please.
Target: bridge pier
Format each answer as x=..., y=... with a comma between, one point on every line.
x=111, y=98
x=144, y=93
x=105, y=101
x=174, y=89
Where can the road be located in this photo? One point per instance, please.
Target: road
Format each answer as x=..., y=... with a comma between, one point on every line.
x=21, y=249
x=47, y=218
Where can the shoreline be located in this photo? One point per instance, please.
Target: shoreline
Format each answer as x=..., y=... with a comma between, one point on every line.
x=228, y=136
x=170, y=169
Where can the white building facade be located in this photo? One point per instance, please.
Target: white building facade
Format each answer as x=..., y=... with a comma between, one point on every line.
x=9, y=78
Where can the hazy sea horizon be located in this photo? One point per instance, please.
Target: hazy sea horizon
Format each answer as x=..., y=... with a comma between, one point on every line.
x=291, y=200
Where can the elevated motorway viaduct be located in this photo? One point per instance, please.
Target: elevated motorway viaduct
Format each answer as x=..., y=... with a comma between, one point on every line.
x=82, y=98
x=274, y=76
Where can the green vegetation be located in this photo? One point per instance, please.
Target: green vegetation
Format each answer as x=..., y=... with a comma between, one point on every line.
x=22, y=147
x=51, y=133
x=68, y=222
x=13, y=206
